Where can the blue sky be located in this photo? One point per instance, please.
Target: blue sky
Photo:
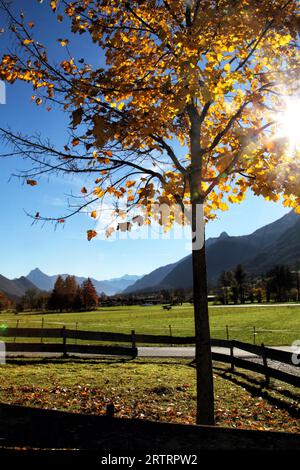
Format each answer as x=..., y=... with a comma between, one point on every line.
x=24, y=247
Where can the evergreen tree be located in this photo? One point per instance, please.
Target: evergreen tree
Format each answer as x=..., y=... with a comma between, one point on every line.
x=78, y=300
x=224, y=284
x=280, y=283
x=240, y=276
x=57, y=298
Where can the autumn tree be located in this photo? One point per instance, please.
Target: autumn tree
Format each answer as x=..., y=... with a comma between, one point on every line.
x=70, y=292
x=189, y=109
x=89, y=295
x=5, y=303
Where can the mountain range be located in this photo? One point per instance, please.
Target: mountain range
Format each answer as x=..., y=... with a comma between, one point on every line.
x=109, y=287
x=275, y=243
x=36, y=279
x=16, y=288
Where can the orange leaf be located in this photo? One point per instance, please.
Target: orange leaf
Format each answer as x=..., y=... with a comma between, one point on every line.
x=91, y=234
x=75, y=142
x=31, y=182
x=129, y=184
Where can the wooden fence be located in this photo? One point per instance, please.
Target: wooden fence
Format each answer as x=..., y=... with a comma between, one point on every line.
x=34, y=428
x=66, y=348
x=262, y=353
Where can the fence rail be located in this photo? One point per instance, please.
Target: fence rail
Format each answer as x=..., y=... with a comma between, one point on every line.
x=264, y=353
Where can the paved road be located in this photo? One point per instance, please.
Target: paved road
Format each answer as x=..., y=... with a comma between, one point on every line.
x=149, y=351
x=189, y=351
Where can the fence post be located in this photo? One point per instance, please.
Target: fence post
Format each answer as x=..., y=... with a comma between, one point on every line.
x=265, y=363
x=171, y=335
x=64, y=335
x=17, y=326
x=110, y=410
x=231, y=356
x=133, y=341
x=42, y=329
x=227, y=332
x=254, y=335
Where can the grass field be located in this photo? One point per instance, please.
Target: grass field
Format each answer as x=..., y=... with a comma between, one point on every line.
x=275, y=325
x=159, y=390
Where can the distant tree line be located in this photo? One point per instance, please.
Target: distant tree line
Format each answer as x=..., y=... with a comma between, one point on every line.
x=67, y=295
x=164, y=296
x=279, y=284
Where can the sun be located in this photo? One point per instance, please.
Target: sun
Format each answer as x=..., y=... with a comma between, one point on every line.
x=289, y=123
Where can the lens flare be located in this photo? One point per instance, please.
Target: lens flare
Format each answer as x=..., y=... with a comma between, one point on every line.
x=289, y=124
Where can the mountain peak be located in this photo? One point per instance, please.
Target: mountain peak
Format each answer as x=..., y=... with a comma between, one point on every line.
x=223, y=235
x=35, y=271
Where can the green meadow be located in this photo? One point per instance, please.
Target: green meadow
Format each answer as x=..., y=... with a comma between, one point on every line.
x=273, y=325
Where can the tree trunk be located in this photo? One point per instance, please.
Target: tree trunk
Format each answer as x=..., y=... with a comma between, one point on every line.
x=205, y=392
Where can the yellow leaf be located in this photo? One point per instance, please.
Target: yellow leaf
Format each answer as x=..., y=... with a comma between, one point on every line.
x=94, y=214
x=27, y=41
x=53, y=5
x=99, y=192
x=227, y=67
x=63, y=42
x=284, y=40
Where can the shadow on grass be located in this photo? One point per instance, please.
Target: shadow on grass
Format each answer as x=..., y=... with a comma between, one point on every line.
x=257, y=388
x=25, y=361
